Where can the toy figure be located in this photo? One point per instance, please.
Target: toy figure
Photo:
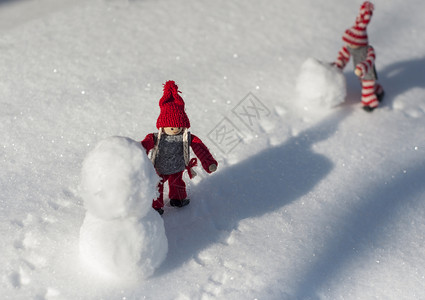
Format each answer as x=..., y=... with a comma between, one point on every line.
x=170, y=152
x=363, y=55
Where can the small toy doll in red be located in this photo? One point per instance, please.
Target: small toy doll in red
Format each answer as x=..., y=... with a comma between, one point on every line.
x=170, y=149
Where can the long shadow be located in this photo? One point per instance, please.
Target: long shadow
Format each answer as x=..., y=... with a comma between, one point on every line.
x=7, y=1
x=261, y=184
x=402, y=76
x=362, y=229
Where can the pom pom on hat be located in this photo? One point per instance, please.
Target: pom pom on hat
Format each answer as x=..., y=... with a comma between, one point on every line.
x=172, y=108
x=357, y=35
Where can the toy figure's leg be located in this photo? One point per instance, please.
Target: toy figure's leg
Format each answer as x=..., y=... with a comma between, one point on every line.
x=177, y=186
x=379, y=91
x=368, y=94
x=159, y=202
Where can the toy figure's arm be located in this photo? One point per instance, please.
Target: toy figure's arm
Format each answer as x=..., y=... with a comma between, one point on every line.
x=201, y=151
x=363, y=67
x=343, y=58
x=149, y=142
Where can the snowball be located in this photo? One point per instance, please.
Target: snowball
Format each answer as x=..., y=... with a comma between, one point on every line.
x=118, y=179
x=125, y=249
x=320, y=85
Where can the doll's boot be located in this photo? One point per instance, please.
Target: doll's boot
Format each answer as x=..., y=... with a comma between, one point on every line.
x=160, y=211
x=380, y=96
x=179, y=203
x=368, y=108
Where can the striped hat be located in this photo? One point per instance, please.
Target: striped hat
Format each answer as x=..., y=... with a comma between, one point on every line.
x=172, y=112
x=357, y=35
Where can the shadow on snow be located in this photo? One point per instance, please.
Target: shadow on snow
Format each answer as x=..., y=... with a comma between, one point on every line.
x=402, y=76
x=261, y=184
x=381, y=204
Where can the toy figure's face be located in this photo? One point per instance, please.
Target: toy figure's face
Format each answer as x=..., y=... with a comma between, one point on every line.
x=353, y=46
x=173, y=130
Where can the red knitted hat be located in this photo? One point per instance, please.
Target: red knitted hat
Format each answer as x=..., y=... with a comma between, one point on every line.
x=172, y=112
x=357, y=35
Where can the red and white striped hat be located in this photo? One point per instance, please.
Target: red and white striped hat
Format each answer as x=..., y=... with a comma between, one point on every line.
x=357, y=35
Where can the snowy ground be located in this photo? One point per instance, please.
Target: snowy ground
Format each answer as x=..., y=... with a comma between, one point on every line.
x=306, y=205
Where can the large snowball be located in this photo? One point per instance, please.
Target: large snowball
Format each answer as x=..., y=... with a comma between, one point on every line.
x=118, y=179
x=125, y=249
x=320, y=85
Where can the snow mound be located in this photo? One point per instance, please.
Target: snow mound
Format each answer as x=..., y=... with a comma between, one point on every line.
x=320, y=85
x=122, y=237
x=118, y=179
x=129, y=249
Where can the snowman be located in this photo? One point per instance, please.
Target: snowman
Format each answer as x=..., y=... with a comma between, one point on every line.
x=122, y=237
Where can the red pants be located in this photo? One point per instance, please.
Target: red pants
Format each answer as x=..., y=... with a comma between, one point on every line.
x=177, y=189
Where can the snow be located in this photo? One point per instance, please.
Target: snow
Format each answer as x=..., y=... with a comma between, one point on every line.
x=122, y=237
x=118, y=179
x=305, y=204
x=125, y=249
x=320, y=85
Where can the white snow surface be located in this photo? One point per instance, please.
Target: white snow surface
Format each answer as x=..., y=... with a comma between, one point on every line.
x=306, y=204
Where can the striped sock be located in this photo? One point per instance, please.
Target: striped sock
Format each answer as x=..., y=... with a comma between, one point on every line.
x=368, y=93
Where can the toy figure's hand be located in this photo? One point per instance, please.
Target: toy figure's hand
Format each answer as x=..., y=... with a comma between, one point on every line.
x=358, y=72
x=335, y=65
x=212, y=168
